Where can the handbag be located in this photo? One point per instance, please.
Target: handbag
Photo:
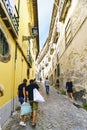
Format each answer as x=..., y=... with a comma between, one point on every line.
x=37, y=96
x=25, y=108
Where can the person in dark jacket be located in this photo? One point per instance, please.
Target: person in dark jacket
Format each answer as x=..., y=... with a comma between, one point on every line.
x=21, y=91
x=34, y=104
x=22, y=98
x=69, y=87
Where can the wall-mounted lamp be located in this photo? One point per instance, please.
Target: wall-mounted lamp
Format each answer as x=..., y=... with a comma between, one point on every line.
x=34, y=31
x=27, y=38
x=34, y=34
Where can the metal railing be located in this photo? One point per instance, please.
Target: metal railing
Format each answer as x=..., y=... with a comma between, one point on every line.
x=13, y=14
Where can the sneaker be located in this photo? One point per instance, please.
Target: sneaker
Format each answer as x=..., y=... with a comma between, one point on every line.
x=34, y=124
x=22, y=123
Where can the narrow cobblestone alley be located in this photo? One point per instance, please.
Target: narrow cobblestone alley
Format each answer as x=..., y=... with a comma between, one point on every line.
x=57, y=113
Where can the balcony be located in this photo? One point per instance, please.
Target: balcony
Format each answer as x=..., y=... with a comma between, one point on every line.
x=43, y=68
x=46, y=61
x=49, y=59
x=52, y=48
x=63, y=9
x=55, y=38
x=10, y=18
x=46, y=64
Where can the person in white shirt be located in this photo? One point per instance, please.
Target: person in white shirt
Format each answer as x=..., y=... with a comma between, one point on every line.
x=47, y=85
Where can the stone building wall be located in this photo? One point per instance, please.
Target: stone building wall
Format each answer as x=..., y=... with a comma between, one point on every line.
x=73, y=60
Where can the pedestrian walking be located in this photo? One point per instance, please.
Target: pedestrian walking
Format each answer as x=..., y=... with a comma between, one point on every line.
x=69, y=87
x=47, y=85
x=34, y=104
x=21, y=91
x=22, y=98
x=40, y=79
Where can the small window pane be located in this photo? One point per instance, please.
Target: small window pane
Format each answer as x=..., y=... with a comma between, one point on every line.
x=4, y=47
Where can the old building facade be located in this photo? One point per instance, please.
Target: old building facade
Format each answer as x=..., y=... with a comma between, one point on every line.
x=68, y=43
x=19, y=47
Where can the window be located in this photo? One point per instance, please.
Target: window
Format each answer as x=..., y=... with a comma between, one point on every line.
x=4, y=48
x=63, y=9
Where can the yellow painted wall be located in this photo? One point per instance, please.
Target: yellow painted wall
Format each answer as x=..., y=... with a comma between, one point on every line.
x=7, y=70
x=13, y=72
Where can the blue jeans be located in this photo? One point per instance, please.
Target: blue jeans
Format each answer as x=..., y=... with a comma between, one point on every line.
x=47, y=89
x=21, y=100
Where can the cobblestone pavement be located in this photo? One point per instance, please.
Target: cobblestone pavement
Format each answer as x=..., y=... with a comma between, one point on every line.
x=57, y=113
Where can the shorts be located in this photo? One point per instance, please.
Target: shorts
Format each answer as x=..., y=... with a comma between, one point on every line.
x=69, y=91
x=34, y=105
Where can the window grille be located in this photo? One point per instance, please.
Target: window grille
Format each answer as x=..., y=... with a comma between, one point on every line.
x=4, y=47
